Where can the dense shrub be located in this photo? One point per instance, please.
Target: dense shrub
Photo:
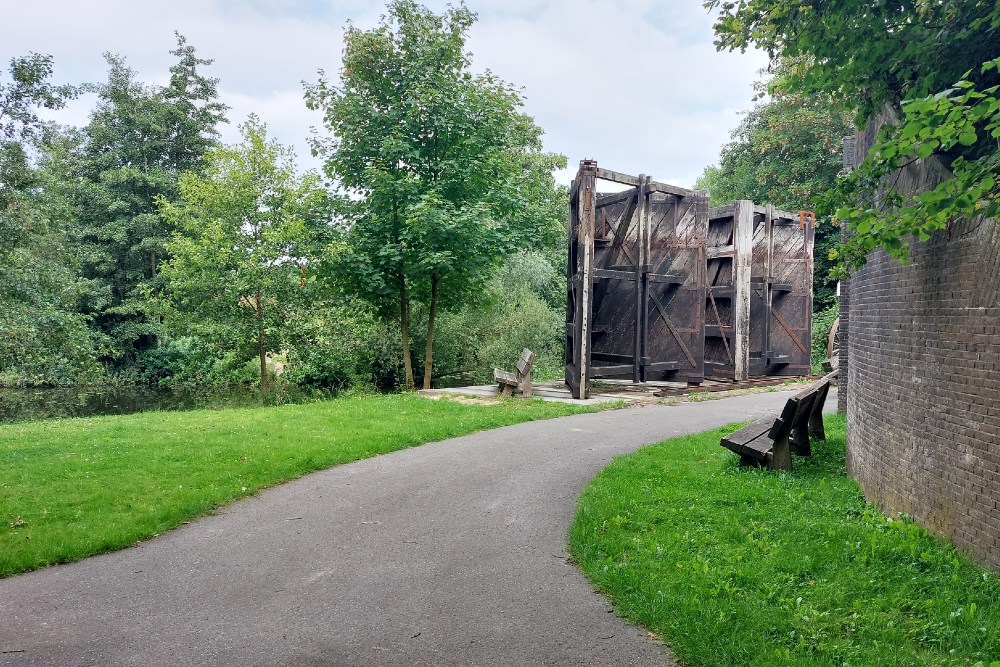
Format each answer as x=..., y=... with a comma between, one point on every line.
x=822, y=322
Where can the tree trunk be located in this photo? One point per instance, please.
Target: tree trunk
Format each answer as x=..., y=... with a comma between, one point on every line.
x=429, y=350
x=259, y=306
x=404, y=330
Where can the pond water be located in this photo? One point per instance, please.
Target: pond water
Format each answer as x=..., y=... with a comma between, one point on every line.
x=29, y=404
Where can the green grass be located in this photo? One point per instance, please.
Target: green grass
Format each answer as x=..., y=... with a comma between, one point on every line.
x=76, y=487
x=749, y=567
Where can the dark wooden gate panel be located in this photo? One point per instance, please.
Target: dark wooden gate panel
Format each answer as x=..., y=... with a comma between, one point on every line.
x=727, y=306
x=759, y=300
x=639, y=312
x=676, y=288
x=580, y=276
x=781, y=293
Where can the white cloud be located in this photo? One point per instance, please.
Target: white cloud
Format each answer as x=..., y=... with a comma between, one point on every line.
x=635, y=84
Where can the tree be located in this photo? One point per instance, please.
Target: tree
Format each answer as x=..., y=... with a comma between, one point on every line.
x=245, y=232
x=20, y=131
x=933, y=63
x=444, y=174
x=786, y=151
x=44, y=339
x=139, y=140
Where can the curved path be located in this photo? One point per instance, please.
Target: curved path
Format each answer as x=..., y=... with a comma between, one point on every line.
x=452, y=553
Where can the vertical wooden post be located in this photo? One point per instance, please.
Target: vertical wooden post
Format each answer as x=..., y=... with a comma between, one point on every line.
x=807, y=256
x=586, y=214
x=742, y=269
x=641, y=276
x=768, y=268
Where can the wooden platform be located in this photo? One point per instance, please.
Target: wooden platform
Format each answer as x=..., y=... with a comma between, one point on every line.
x=619, y=390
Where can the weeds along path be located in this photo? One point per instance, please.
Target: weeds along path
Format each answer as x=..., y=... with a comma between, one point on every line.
x=452, y=553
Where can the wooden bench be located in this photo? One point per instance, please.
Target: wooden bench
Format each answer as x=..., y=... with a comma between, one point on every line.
x=508, y=381
x=771, y=442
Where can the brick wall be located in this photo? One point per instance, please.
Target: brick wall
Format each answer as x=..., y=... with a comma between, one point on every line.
x=923, y=360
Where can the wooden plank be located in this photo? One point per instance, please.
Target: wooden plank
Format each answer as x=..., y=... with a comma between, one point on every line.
x=720, y=251
x=664, y=188
x=718, y=331
x=611, y=371
x=750, y=432
x=661, y=366
x=504, y=377
x=773, y=212
x=586, y=215
x=608, y=198
x=608, y=356
x=759, y=448
x=641, y=269
x=724, y=211
x=666, y=278
x=618, y=177
x=742, y=261
x=610, y=274
x=525, y=362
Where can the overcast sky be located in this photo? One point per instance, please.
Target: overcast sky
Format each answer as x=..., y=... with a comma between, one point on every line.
x=634, y=84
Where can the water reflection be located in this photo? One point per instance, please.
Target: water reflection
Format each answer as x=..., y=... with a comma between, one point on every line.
x=18, y=404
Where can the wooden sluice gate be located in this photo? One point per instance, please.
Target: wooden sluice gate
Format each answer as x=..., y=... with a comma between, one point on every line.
x=636, y=281
x=759, y=297
x=661, y=290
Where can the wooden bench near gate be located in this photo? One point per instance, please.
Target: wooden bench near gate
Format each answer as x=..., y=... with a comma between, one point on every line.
x=508, y=381
x=771, y=442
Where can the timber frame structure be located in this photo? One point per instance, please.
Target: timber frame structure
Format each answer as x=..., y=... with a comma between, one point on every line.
x=636, y=281
x=759, y=297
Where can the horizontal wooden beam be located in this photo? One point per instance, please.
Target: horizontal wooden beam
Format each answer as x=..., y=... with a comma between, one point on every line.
x=608, y=198
x=762, y=210
x=718, y=331
x=668, y=278
x=720, y=251
x=662, y=366
x=607, y=356
x=617, y=177
x=724, y=211
x=610, y=371
x=629, y=267
x=608, y=274
x=666, y=189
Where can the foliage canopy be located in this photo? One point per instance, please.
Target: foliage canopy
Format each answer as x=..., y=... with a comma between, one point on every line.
x=935, y=60
x=443, y=173
x=246, y=231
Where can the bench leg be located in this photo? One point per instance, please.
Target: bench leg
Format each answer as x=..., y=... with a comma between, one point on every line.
x=800, y=441
x=816, y=428
x=781, y=455
x=506, y=390
x=526, y=385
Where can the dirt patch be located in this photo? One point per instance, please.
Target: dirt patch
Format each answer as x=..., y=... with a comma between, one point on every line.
x=459, y=398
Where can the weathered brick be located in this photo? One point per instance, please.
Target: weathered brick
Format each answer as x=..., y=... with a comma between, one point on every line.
x=921, y=355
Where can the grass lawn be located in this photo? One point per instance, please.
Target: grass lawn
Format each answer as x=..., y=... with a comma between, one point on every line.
x=747, y=567
x=76, y=487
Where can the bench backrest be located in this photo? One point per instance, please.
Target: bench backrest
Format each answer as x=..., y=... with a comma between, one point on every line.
x=525, y=363
x=797, y=409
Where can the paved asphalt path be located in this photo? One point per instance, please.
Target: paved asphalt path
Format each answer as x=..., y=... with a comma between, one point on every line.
x=453, y=553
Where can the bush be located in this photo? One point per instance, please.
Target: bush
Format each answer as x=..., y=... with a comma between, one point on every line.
x=341, y=347
x=822, y=322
